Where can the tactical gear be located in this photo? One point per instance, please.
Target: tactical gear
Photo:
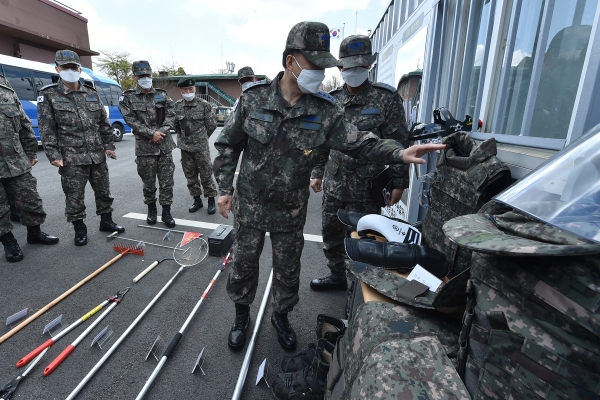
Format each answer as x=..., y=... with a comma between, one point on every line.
x=330, y=282
x=80, y=233
x=398, y=256
x=308, y=383
x=285, y=334
x=245, y=72
x=15, y=215
x=312, y=40
x=36, y=236
x=196, y=205
x=141, y=67
x=166, y=216
x=237, y=334
x=186, y=82
x=356, y=51
x=63, y=57
x=212, y=208
x=299, y=360
x=108, y=225
x=152, y=214
x=12, y=251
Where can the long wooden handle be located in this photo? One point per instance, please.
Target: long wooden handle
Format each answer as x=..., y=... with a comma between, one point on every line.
x=58, y=299
x=144, y=272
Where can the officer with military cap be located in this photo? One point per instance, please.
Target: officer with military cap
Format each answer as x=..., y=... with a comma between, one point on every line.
x=283, y=128
x=195, y=121
x=246, y=77
x=374, y=107
x=77, y=138
x=149, y=112
x=18, y=153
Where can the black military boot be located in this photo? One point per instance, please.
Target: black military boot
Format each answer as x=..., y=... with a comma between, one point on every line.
x=152, y=214
x=196, y=205
x=237, y=335
x=285, y=334
x=80, y=233
x=108, y=225
x=331, y=282
x=166, y=216
x=15, y=215
x=36, y=236
x=212, y=208
x=12, y=251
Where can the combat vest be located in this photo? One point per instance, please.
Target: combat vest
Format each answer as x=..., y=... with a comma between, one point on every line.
x=468, y=175
x=532, y=324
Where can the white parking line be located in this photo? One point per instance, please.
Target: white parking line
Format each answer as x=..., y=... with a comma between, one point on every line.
x=208, y=225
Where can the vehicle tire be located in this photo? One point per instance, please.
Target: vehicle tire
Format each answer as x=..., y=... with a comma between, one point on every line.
x=118, y=132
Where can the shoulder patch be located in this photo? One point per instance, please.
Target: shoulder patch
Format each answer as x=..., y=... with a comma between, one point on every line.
x=121, y=98
x=49, y=86
x=257, y=83
x=40, y=99
x=325, y=96
x=385, y=86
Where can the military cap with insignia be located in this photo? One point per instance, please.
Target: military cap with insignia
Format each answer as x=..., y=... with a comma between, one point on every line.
x=67, y=57
x=141, y=67
x=312, y=40
x=245, y=72
x=356, y=51
x=186, y=82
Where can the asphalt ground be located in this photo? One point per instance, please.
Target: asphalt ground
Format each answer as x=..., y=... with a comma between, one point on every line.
x=48, y=271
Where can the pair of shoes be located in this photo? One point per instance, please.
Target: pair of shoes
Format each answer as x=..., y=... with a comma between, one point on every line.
x=80, y=233
x=166, y=216
x=285, y=334
x=152, y=213
x=36, y=236
x=12, y=251
x=237, y=334
x=196, y=205
x=307, y=383
x=335, y=281
x=108, y=225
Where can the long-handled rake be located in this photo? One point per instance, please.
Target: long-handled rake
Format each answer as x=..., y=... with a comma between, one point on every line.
x=121, y=247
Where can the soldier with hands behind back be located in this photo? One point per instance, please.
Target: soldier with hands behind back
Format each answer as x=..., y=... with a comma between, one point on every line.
x=77, y=138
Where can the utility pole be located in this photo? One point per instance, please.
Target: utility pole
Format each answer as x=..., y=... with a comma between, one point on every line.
x=356, y=22
x=222, y=57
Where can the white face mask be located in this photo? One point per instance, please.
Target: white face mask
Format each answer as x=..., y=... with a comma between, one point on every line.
x=355, y=77
x=188, y=96
x=309, y=80
x=69, y=75
x=145, y=83
x=246, y=85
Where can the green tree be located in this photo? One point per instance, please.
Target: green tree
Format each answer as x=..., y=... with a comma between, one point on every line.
x=117, y=65
x=172, y=69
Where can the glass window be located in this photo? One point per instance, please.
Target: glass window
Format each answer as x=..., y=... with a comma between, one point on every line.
x=562, y=68
x=42, y=79
x=20, y=80
x=479, y=45
x=521, y=67
x=104, y=92
x=115, y=93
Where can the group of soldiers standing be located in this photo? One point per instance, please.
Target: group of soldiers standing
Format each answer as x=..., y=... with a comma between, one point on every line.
x=77, y=138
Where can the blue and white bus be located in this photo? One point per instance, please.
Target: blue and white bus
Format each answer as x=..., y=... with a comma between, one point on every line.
x=28, y=77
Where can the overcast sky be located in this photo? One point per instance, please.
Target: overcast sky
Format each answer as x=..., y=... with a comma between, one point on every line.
x=251, y=32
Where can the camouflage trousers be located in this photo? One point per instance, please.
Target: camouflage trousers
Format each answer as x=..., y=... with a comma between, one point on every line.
x=195, y=164
x=243, y=279
x=74, y=178
x=152, y=167
x=334, y=231
x=22, y=192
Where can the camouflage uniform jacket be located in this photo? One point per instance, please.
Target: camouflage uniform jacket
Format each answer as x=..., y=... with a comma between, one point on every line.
x=281, y=146
x=140, y=111
x=376, y=108
x=194, y=123
x=18, y=144
x=73, y=125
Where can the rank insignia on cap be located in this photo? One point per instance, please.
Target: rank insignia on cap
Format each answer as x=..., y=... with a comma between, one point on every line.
x=40, y=99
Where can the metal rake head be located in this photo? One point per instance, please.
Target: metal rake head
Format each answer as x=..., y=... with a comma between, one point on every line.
x=134, y=248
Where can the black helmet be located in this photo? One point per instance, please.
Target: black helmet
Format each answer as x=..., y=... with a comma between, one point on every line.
x=443, y=125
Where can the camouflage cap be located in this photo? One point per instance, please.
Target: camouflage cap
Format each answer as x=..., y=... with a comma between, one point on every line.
x=312, y=40
x=186, y=82
x=67, y=57
x=141, y=67
x=356, y=51
x=245, y=72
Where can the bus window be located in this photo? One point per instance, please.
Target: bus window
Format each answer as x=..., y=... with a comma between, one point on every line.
x=115, y=92
x=20, y=80
x=42, y=79
x=104, y=92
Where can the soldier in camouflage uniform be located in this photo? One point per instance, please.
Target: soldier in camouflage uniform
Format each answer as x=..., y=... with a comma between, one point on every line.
x=283, y=128
x=194, y=122
x=374, y=107
x=246, y=76
x=77, y=137
x=149, y=112
x=18, y=153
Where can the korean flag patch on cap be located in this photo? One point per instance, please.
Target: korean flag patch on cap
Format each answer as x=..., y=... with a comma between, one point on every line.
x=40, y=99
